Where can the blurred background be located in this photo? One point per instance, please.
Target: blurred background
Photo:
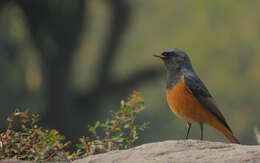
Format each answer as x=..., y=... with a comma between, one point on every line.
x=74, y=60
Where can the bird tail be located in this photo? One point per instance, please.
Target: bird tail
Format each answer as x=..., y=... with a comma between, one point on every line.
x=224, y=130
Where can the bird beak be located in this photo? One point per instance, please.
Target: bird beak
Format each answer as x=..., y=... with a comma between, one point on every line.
x=159, y=55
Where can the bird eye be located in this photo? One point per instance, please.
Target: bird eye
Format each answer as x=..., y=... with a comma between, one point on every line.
x=168, y=54
x=165, y=54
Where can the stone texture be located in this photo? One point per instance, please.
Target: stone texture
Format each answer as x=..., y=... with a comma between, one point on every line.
x=180, y=151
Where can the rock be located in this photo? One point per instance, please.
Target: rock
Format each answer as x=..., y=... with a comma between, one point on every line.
x=179, y=151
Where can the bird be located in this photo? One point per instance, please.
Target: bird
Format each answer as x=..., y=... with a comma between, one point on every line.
x=188, y=97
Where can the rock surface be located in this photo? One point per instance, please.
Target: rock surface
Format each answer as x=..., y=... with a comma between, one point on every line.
x=180, y=151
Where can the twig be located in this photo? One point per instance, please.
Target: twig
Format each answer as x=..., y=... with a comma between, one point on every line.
x=115, y=126
x=130, y=142
x=58, y=150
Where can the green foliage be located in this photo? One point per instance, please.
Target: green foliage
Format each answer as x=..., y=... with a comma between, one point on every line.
x=120, y=132
x=31, y=142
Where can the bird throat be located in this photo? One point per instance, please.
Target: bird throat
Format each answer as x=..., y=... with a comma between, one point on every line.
x=173, y=77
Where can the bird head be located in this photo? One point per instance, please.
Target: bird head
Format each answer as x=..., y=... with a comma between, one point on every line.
x=175, y=59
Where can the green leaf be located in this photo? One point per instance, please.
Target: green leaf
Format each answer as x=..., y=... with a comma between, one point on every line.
x=97, y=124
x=91, y=129
x=80, y=146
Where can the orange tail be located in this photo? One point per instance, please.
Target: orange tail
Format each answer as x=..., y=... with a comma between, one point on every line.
x=220, y=127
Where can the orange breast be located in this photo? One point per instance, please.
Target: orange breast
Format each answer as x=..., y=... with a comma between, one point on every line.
x=185, y=105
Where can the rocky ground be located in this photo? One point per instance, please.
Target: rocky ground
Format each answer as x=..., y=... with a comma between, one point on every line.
x=179, y=151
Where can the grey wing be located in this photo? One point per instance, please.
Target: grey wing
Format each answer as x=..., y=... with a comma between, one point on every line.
x=202, y=94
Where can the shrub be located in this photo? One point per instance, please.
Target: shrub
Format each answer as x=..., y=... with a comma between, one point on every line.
x=31, y=142
x=120, y=132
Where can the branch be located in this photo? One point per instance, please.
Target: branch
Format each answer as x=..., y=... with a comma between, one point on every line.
x=120, y=20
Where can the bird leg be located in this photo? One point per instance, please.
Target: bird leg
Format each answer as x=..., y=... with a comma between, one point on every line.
x=188, y=129
x=201, y=130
